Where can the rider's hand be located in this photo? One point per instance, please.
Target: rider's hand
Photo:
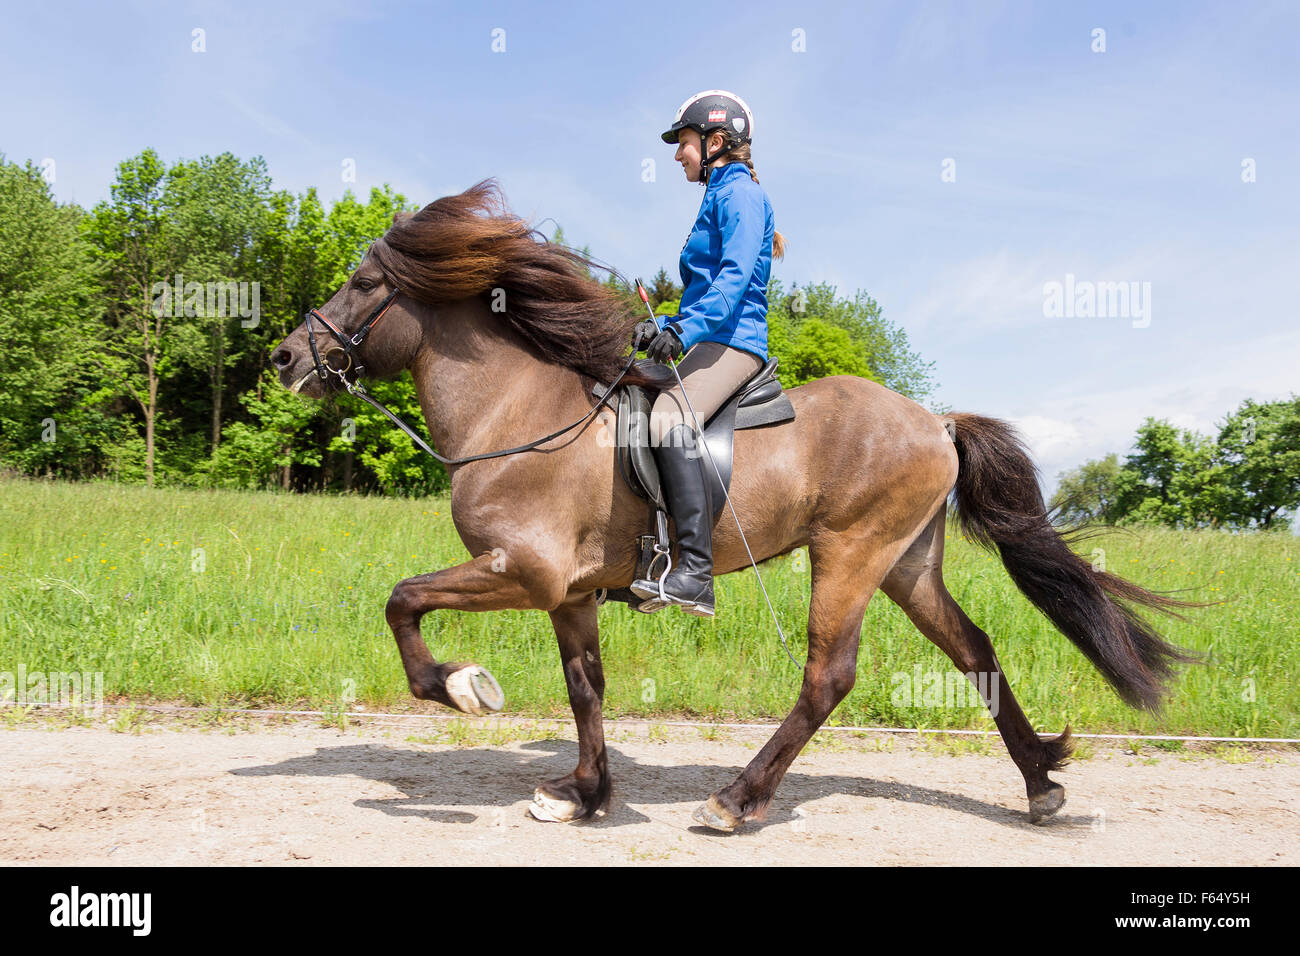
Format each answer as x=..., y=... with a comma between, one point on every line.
x=643, y=333
x=666, y=345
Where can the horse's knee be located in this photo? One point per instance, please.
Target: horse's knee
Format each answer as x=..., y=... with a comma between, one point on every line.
x=399, y=608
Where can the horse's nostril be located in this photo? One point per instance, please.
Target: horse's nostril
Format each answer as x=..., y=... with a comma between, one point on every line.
x=282, y=359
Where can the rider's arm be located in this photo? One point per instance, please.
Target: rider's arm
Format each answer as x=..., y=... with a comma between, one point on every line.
x=741, y=220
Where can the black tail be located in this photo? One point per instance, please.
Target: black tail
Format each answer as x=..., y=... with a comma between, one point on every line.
x=1000, y=507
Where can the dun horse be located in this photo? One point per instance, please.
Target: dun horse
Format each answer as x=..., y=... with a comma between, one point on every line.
x=861, y=477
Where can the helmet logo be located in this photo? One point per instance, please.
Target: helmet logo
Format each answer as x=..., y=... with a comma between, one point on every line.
x=739, y=123
x=717, y=116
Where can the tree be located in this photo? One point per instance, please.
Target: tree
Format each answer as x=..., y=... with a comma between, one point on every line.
x=261, y=453
x=1259, y=448
x=663, y=290
x=217, y=209
x=881, y=349
x=1087, y=493
x=818, y=350
x=133, y=239
x=1172, y=478
x=50, y=306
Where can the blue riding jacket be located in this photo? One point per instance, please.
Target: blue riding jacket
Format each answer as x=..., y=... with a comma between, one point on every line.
x=726, y=263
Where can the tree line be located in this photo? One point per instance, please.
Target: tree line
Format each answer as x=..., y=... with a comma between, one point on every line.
x=138, y=333
x=1245, y=477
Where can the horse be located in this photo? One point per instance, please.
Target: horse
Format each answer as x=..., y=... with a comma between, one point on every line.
x=505, y=335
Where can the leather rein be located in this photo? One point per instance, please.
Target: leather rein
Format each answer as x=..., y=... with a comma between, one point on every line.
x=325, y=366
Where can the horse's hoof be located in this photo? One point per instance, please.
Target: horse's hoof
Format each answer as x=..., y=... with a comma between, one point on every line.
x=474, y=691
x=1044, y=806
x=550, y=810
x=712, y=815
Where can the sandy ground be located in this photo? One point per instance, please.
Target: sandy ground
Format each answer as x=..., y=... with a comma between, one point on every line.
x=295, y=793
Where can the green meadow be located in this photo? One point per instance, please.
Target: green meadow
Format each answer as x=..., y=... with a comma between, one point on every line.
x=262, y=599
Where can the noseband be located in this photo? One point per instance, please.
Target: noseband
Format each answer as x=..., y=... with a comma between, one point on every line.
x=324, y=365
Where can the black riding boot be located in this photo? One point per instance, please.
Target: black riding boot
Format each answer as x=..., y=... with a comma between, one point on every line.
x=681, y=472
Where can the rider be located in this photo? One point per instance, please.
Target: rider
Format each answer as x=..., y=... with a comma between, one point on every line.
x=721, y=326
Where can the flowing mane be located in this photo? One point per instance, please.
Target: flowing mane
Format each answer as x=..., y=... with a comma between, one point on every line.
x=467, y=245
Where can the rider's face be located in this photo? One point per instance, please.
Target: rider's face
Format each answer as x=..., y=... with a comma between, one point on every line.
x=688, y=152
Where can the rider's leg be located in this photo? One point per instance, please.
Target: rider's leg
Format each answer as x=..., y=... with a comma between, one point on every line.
x=711, y=372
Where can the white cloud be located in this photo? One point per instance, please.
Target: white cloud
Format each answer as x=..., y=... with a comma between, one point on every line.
x=1048, y=438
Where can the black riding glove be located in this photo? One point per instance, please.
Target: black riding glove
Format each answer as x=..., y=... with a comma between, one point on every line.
x=666, y=345
x=643, y=333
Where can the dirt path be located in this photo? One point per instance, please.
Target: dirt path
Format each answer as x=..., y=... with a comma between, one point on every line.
x=295, y=793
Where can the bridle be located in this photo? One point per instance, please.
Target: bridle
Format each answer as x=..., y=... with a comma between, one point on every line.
x=348, y=344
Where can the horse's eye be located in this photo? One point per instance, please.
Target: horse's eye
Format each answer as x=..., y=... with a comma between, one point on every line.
x=364, y=285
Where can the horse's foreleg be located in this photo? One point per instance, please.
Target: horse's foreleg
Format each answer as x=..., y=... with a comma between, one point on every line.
x=586, y=790
x=490, y=582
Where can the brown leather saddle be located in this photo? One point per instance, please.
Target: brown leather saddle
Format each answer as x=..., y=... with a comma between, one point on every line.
x=757, y=402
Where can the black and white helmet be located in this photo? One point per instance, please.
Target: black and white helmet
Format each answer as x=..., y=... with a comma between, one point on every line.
x=712, y=109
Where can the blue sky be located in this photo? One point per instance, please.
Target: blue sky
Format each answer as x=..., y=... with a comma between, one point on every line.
x=1122, y=165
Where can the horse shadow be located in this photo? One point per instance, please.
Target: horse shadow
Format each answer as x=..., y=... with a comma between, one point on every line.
x=431, y=781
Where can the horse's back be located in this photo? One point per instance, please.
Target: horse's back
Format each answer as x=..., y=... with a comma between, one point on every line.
x=853, y=447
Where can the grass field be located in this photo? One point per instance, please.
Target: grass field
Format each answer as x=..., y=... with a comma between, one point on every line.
x=259, y=598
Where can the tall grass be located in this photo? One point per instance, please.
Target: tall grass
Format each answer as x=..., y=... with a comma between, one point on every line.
x=257, y=598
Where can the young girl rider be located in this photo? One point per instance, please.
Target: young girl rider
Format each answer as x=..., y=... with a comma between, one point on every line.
x=720, y=326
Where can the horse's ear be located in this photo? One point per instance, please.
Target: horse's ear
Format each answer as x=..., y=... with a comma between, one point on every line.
x=401, y=215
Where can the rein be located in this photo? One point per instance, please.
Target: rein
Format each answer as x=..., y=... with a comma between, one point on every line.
x=324, y=366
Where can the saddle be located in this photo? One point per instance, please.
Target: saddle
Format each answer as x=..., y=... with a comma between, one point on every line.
x=758, y=401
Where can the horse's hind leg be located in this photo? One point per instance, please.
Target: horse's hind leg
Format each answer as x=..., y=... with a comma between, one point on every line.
x=916, y=585
x=843, y=580
x=586, y=790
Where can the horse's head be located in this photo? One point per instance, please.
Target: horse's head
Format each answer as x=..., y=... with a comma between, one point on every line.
x=368, y=327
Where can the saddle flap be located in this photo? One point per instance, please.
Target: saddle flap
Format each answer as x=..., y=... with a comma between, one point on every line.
x=635, y=455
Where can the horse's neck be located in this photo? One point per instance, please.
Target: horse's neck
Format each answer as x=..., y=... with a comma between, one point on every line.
x=482, y=389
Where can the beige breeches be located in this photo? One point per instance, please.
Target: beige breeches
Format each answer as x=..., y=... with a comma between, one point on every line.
x=711, y=373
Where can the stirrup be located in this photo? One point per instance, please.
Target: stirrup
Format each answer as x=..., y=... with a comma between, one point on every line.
x=656, y=598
